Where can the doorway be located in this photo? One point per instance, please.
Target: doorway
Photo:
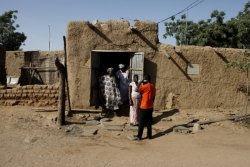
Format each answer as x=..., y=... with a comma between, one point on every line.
x=103, y=59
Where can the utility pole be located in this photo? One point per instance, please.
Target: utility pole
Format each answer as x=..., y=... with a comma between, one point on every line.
x=49, y=37
x=186, y=28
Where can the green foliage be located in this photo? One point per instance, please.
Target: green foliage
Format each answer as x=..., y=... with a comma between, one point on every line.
x=11, y=39
x=214, y=32
x=244, y=65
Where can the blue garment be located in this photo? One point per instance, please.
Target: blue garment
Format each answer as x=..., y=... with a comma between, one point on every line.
x=123, y=84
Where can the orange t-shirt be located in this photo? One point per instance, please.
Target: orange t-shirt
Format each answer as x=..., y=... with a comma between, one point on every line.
x=148, y=94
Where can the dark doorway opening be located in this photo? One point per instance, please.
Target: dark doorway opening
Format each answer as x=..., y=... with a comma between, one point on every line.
x=101, y=60
x=113, y=59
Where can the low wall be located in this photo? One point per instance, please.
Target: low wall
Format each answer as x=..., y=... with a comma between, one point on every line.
x=33, y=95
x=2, y=66
x=33, y=67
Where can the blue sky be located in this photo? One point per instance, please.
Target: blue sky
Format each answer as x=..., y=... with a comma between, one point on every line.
x=34, y=17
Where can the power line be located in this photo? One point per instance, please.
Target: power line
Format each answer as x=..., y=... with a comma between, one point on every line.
x=190, y=6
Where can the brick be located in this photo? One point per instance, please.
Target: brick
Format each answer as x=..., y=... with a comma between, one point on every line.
x=42, y=91
x=18, y=95
x=24, y=95
x=56, y=87
x=51, y=95
x=9, y=90
x=29, y=91
x=54, y=91
x=47, y=91
x=40, y=94
x=50, y=87
x=30, y=86
x=37, y=87
x=14, y=91
x=56, y=95
x=25, y=91
x=7, y=95
x=36, y=90
x=20, y=91
x=44, y=86
x=35, y=94
x=18, y=88
x=3, y=91
x=12, y=95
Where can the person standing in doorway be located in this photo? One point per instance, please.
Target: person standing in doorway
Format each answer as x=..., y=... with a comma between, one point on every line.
x=134, y=101
x=122, y=77
x=147, y=91
x=110, y=94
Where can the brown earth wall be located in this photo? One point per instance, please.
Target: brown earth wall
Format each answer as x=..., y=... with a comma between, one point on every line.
x=17, y=59
x=214, y=86
x=34, y=95
x=82, y=38
x=2, y=66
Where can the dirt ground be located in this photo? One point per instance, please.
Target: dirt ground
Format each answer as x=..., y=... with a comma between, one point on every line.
x=31, y=138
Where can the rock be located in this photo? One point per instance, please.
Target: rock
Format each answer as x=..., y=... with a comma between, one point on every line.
x=132, y=128
x=167, y=119
x=105, y=120
x=181, y=129
x=73, y=130
x=90, y=118
x=88, y=132
x=30, y=139
x=52, y=118
x=13, y=102
x=97, y=117
x=196, y=128
x=92, y=122
x=114, y=127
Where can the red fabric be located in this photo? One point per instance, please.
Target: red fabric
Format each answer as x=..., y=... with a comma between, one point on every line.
x=148, y=94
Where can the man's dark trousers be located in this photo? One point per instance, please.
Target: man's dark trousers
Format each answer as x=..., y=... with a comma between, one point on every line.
x=145, y=118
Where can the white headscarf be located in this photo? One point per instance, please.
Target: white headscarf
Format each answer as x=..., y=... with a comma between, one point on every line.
x=110, y=69
x=121, y=66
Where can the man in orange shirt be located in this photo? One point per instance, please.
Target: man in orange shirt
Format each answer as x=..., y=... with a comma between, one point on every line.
x=147, y=91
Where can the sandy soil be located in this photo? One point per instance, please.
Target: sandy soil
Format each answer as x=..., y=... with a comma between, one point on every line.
x=30, y=138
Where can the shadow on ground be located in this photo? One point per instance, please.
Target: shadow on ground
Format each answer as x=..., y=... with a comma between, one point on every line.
x=164, y=115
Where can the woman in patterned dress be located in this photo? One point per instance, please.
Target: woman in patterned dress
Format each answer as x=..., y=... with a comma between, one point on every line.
x=110, y=93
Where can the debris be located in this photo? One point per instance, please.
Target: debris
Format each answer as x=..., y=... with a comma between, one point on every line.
x=92, y=122
x=113, y=127
x=167, y=119
x=196, y=128
x=30, y=139
x=105, y=120
x=181, y=129
x=44, y=109
x=88, y=132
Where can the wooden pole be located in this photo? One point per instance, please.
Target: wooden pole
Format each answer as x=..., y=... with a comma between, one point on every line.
x=66, y=69
x=61, y=106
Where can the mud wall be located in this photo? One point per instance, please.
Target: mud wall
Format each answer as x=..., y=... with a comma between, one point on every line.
x=83, y=37
x=2, y=66
x=214, y=85
x=211, y=85
x=44, y=60
x=33, y=95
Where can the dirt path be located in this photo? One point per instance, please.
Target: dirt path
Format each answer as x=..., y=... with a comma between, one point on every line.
x=29, y=138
